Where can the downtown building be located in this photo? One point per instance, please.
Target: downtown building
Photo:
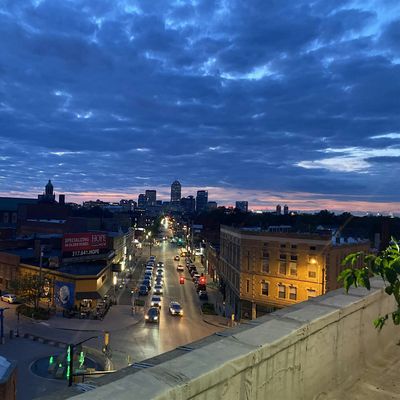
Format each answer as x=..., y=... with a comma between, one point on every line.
x=201, y=200
x=260, y=271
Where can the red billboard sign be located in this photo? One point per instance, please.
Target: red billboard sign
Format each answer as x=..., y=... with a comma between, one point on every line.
x=84, y=241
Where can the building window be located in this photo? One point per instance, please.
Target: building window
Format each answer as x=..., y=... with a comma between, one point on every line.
x=265, y=262
x=5, y=218
x=312, y=271
x=293, y=293
x=312, y=248
x=264, y=288
x=311, y=293
x=247, y=286
x=282, y=264
x=282, y=291
x=14, y=218
x=283, y=246
x=293, y=268
x=294, y=246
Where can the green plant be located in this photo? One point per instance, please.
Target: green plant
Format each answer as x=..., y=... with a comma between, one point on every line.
x=208, y=308
x=385, y=265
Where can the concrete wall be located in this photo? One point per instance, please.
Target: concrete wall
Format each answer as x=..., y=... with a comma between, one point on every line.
x=302, y=352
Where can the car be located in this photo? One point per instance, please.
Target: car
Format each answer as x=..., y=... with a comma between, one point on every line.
x=180, y=268
x=143, y=290
x=193, y=272
x=149, y=268
x=9, y=298
x=175, y=308
x=156, y=301
x=160, y=271
x=152, y=315
x=177, y=258
x=201, y=286
x=159, y=280
x=149, y=274
x=203, y=295
x=160, y=264
x=147, y=282
x=152, y=258
x=196, y=278
x=158, y=289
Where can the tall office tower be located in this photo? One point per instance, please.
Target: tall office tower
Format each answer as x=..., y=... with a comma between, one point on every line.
x=242, y=206
x=285, y=209
x=201, y=200
x=141, y=201
x=151, y=197
x=188, y=204
x=278, y=209
x=176, y=190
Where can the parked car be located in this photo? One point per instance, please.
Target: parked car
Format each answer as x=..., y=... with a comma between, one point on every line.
x=202, y=287
x=180, y=268
x=160, y=271
x=175, y=308
x=160, y=264
x=143, y=290
x=152, y=315
x=9, y=298
x=158, y=289
x=156, y=301
x=149, y=274
x=203, y=295
x=152, y=258
x=159, y=280
x=176, y=258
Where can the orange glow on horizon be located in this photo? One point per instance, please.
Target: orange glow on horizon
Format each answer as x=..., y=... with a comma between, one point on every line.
x=258, y=200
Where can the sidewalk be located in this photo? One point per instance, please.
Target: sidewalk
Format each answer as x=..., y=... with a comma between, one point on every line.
x=215, y=298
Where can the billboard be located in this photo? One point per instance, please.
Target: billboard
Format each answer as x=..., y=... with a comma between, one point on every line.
x=82, y=242
x=64, y=293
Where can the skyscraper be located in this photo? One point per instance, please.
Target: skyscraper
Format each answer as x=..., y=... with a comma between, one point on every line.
x=176, y=189
x=285, y=209
x=242, y=206
x=141, y=201
x=188, y=204
x=201, y=200
x=278, y=209
x=151, y=197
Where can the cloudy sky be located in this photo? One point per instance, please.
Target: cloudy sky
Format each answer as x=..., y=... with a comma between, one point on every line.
x=268, y=101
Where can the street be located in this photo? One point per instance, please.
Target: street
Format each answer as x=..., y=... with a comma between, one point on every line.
x=131, y=339
x=146, y=340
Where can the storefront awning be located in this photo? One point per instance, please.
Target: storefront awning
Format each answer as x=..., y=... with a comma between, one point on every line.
x=88, y=295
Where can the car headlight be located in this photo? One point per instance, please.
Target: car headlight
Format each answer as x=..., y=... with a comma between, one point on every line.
x=181, y=312
x=155, y=318
x=152, y=303
x=146, y=317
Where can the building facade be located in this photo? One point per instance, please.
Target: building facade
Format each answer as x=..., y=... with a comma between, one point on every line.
x=242, y=206
x=151, y=197
x=176, y=190
x=261, y=271
x=201, y=200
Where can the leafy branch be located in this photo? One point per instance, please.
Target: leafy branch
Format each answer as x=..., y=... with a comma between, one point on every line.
x=386, y=265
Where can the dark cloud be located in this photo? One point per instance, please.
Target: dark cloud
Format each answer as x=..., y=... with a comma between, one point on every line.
x=268, y=96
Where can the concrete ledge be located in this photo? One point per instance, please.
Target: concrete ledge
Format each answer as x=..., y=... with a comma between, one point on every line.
x=301, y=352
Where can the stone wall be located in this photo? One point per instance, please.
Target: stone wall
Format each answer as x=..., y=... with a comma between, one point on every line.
x=301, y=352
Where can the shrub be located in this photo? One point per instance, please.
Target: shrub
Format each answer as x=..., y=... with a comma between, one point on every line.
x=31, y=312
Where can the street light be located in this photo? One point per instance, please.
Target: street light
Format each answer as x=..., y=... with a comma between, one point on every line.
x=70, y=354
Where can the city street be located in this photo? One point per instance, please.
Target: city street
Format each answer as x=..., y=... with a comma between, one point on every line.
x=131, y=339
x=146, y=340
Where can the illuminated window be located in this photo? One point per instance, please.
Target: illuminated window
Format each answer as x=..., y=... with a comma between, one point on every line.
x=311, y=293
x=292, y=293
x=265, y=262
x=282, y=291
x=264, y=288
x=312, y=271
x=282, y=264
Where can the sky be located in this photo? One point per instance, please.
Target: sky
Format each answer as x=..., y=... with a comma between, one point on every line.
x=268, y=101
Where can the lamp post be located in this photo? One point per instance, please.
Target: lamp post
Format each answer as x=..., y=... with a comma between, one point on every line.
x=114, y=284
x=70, y=349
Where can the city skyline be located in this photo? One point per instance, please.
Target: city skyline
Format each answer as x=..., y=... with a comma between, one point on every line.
x=268, y=103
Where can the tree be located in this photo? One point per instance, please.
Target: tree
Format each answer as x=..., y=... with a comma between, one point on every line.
x=385, y=265
x=29, y=288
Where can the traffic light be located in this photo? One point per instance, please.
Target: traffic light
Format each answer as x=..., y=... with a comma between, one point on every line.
x=181, y=280
x=202, y=280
